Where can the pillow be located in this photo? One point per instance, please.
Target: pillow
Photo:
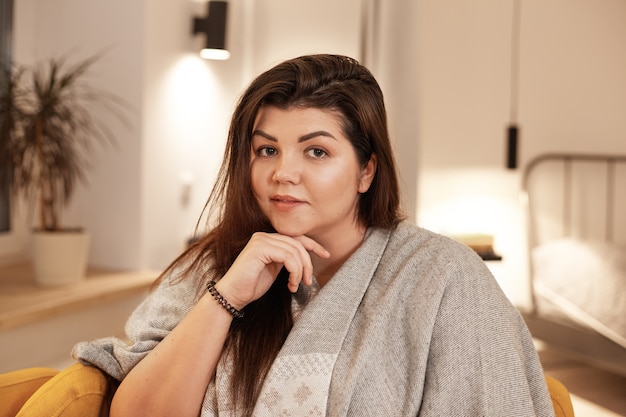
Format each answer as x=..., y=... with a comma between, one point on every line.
x=78, y=391
x=587, y=281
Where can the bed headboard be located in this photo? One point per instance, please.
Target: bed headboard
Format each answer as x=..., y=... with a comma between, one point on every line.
x=579, y=196
x=576, y=207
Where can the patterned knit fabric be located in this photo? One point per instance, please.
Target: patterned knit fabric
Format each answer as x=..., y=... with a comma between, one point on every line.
x=413, y=324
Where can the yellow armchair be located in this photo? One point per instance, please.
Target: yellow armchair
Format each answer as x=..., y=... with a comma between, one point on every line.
x=84, y=391
x=561, y=400
x=78, y=391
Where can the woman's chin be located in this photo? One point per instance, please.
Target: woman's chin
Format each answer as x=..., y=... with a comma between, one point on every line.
x=291, y=229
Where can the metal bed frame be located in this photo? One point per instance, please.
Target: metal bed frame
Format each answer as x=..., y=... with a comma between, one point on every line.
x=609, y=218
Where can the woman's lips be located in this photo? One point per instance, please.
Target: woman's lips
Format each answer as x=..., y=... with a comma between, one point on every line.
x=285, y=202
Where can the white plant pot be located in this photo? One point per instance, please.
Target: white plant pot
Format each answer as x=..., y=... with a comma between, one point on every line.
x=60, y=258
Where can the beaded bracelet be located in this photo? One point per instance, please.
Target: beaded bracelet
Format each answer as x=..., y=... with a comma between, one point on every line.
x=218, y=297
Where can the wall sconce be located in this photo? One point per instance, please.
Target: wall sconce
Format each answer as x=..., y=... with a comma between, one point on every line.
x=214, y=27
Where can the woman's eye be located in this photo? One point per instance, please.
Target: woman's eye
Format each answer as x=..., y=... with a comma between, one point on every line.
x=266, y=151
x=316, y=153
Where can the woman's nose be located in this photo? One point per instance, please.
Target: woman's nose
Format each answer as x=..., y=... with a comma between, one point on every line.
x=286, y=170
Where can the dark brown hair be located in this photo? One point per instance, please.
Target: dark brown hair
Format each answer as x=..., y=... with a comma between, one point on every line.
x=330, y=82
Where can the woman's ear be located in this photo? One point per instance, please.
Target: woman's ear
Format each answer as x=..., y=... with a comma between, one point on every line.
x=367, y=174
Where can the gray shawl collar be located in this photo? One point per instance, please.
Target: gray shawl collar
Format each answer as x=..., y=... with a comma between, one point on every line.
x=298, y=382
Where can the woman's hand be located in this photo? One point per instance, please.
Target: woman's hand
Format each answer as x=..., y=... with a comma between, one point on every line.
x=260, y=261
x=154, y=387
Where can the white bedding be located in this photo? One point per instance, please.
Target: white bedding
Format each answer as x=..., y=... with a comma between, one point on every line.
x=586, y=281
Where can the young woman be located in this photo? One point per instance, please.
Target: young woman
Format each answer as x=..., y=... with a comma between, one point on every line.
x=308, y=294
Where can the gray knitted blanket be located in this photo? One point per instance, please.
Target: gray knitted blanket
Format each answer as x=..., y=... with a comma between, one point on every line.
x=413, y=324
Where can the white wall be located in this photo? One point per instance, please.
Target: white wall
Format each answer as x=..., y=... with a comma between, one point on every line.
x=188, y=101
x=444, y=67
x=394, y=63
x=572, y=98
x=186, y=105
x=144, y=197
x=573, y=84
x=284, y=29
x=109, y=205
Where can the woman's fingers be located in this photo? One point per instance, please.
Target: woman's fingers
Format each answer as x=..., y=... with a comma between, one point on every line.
x=308, y=246
x=293, y=254
x=257, y=266
x=302, y=267
x=312, y=246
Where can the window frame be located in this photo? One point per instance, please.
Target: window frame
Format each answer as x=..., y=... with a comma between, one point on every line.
x=13, y=242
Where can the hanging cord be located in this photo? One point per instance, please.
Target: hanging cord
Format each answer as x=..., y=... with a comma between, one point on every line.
x=515, y=60
x=513, y=129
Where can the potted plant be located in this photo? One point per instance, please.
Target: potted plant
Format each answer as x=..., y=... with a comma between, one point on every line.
x=47, y=132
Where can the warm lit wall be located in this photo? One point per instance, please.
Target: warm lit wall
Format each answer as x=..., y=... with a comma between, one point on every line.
x=135, y=204
x=188, y=101
x=444, y=67
x=186, y=104
x=109, y=206
x=572, y=98
x=145, y=195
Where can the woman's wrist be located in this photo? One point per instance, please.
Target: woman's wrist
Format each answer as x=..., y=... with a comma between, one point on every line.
x=216, y=291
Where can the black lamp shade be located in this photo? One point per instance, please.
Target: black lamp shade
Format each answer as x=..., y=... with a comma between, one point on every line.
x=511, y=146
x=213, y=26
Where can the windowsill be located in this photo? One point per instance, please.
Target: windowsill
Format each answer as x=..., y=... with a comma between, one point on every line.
x=23, y=302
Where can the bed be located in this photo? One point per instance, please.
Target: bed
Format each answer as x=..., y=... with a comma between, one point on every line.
x=576, y=208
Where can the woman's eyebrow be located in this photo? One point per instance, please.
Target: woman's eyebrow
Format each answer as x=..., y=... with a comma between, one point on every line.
x=315, y=134
x=259, y=132
x=303, y=138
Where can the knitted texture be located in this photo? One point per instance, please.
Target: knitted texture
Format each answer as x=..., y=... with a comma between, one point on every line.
x=413, y=324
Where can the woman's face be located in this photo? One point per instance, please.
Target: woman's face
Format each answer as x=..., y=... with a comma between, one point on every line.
x=305, y=173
